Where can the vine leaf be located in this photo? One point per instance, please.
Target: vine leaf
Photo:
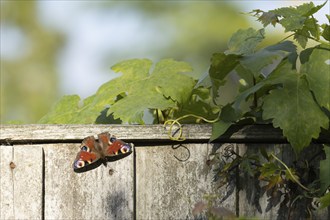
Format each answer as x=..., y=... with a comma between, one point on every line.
x=263, y=58
x=294, y=110
x=219, y=128
x=128, y=95
x=201, y=104
x=297, y=19
x=268, y=18
x=71, y=109
x=294, y=17
x=221, y=66
x=162, y=89
x=326, y=32
x=325, y=170
x=244, y=42
x=325, y=201
x=318, y=74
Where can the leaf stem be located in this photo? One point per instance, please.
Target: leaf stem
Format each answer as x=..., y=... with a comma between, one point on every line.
x=292, y=176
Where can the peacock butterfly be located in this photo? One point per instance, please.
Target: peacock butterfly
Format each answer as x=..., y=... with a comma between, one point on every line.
x=94, y=152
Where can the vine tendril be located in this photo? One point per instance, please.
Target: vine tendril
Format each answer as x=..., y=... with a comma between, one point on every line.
x=172, y=122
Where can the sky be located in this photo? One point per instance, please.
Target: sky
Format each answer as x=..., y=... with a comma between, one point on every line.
x=81, y=62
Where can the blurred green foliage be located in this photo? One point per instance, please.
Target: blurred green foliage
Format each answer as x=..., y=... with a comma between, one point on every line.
x=29, y=83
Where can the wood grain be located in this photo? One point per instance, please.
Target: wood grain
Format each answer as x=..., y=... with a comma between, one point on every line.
x=170, y=182
x=96, y=194
x=21, y=182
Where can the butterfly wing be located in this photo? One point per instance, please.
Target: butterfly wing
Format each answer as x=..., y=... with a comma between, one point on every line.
x=113, y=148
x=89, y=156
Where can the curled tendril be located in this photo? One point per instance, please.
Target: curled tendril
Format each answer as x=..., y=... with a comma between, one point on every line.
x=175, y=122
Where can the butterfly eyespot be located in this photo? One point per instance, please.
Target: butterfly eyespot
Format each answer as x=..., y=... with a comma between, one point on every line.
x=79, y=164
x=85, y=148
x=124, y=149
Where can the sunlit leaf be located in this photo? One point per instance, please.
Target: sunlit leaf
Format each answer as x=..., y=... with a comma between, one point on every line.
x=268, y=18
x=317, y=70
x=301, y=36
x=294, y=110
x=244, y=42
x=326, y=32
x=160, y=89
x=63, y=111
x=312, y=26
x=72, y=110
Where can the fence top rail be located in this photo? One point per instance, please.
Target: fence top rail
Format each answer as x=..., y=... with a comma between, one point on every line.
x=41, y=133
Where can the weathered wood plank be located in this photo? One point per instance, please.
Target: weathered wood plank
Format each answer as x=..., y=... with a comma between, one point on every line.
x=137, y=133
x=168, y=188
x=21, y=182
x=11, y=133
x=141, y=133
x=96, y=194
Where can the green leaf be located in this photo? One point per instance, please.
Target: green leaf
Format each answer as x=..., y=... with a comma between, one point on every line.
x=258, y=61
x=326, y=32
x=312, y=26
x=315, y=9
x=246, y=94
x=291, y=175
x=268, y=18
x=128, y=95
x=316, y=65
x=325, y=170
x=201, y=104
x=276, y=77
x=160, y=90
x=221, y=66
x=325, y=201
x=63, y=111
x=293, y=109
x=268, y=170
x=219, y=128
x=297, y=18
x=244, y=42
x=301, y=36
x=294, y=17
x=229, y=114
x=133, y=71
x=293, y=23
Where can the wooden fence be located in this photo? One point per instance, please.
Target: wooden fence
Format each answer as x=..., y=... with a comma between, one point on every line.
x=160, y=180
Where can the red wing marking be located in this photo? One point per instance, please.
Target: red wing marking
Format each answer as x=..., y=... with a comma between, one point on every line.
x=87, y=156
x=114, y=148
